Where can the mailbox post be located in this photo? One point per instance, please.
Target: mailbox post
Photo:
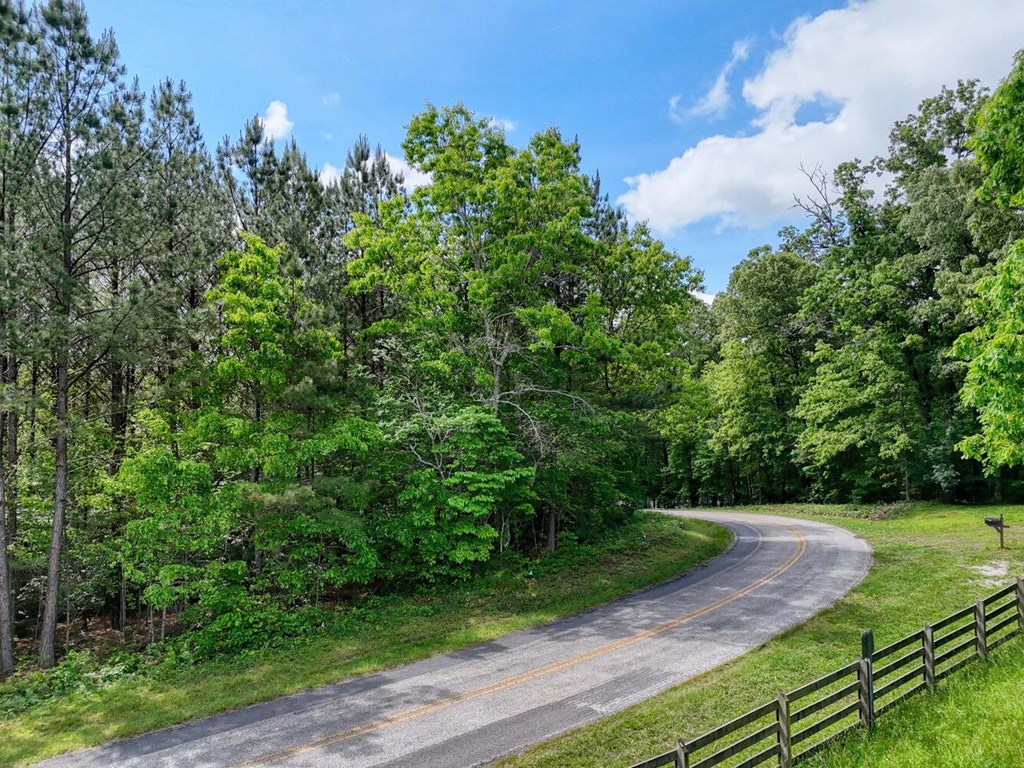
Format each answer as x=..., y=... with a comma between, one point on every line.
x=997, y=523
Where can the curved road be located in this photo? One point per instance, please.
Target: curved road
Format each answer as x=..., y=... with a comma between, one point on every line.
x=472, y=706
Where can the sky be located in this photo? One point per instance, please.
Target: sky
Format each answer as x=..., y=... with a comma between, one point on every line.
x=698, y=114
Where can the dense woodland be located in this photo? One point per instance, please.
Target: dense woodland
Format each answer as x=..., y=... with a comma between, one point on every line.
x=233, y=392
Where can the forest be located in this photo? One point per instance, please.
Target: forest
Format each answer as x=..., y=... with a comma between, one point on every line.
x=235, y=392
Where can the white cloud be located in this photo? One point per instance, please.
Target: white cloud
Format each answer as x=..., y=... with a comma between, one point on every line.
x=707, y=298
x=276, y=124
x=330, y=174
x=716, y=101
x=329, y=136
x=502, y=122
x=872, y=62
x=676, y=113
x=413, y=176
x=330, y=99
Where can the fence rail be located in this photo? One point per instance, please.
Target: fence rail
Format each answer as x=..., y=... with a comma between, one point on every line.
x=856, y=694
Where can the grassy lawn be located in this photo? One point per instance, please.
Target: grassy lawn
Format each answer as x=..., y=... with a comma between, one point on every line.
x=929, y=561
x=653, y=549
x=974, y=719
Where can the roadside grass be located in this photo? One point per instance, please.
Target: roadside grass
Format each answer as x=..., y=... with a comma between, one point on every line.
x=974, y=719
x=382, y=632
x=929, y=561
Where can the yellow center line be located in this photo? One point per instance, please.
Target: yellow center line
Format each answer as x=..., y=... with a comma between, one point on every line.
x=332, y=739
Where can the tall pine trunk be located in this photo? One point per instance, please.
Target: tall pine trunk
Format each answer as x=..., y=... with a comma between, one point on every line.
x=8, y=522
x=9, y=502
x=48, y=641
x=118, y=414
x=6, y=609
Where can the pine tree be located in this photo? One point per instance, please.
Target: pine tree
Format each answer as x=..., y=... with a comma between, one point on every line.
x=22, y=136
x=83, y=172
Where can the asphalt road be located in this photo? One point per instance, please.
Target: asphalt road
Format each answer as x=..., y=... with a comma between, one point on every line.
x=472, y=706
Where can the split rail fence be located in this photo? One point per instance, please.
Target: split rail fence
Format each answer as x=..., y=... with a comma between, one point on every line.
x=801, y=722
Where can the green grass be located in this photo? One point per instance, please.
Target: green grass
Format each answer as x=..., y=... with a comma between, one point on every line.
x=925, y=561
x=653, y=549
x=974, y=719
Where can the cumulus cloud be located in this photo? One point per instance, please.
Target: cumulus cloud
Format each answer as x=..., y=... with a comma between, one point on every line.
x=413, y=176
x=330, y=174
x=707, y=298
x=869, y=63
x=717, y=100
x=276, y=124
x=330, y=99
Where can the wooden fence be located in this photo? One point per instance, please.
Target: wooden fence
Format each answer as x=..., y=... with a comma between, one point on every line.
x=801, y=722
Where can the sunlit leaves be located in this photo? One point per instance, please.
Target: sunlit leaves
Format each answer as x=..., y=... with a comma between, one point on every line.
x=995, y=375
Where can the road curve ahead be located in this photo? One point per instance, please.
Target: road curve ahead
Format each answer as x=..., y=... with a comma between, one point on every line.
x=472, y=706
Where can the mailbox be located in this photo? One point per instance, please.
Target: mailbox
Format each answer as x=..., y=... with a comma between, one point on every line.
x=999, y=525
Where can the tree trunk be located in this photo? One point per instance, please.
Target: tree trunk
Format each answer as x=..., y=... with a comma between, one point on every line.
x=8, y=526
x=48, y=641
x=33, y=389
x=6, y=609
x=257, y=417
x=691, y=483
x=552, y=530
x=118, y=414
x=9, y=502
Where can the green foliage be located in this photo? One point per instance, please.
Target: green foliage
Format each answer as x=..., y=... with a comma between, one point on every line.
x=470, y=488
x=831, y=376
x=77, y=673
x=861, y=419
x=253, y=494
x=999, y=139
x=243, y=623
x=995, y=375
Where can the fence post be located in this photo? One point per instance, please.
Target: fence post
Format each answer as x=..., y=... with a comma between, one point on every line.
x=1020, y=604
x=682, y=755
x=785, y=733
x=928, y=640
x=867, y=680
x=980, y=640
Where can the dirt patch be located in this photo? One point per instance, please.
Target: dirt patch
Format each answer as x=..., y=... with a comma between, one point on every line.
x=993, y=574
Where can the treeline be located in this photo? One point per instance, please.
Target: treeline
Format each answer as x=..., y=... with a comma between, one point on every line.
x=233, y=392
x=834, y=375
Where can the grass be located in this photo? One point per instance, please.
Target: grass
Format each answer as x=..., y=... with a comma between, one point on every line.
x=652, y=549
x=926, y=561
x=973, y=720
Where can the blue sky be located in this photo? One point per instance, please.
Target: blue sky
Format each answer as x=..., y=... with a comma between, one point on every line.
x=709, y=106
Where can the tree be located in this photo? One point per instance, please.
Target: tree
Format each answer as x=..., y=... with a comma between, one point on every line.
x=861, y=419
x=366, y=182
x=765, y=363
x=81, y=182
x=22, y=136
x=248, y=169
x=997, y=139
x=995, y=374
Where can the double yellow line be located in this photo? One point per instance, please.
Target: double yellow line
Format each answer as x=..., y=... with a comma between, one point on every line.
x=332, y=739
